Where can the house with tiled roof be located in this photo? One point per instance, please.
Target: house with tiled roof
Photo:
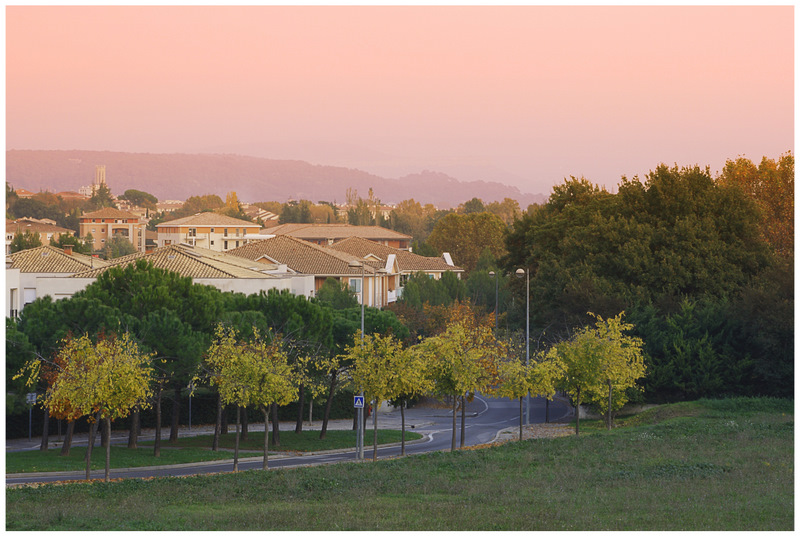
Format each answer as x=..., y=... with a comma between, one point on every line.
x=380, y=277
x=26, y=270
x=327, y=234
x=208, y=230
x=109, y=222
x=208, y=267
x=45, y=231
x=407, y=262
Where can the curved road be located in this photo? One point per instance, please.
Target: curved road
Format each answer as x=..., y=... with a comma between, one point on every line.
x=485, y=418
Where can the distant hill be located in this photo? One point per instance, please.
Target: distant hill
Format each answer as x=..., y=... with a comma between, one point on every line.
x=178, y=176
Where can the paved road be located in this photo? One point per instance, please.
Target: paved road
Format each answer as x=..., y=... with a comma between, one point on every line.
x=486, y=417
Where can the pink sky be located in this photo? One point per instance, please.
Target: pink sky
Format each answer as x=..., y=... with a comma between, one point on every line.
x=524, y=95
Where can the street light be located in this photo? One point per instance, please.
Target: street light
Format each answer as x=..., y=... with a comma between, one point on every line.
x=496, y=284
x=360, y=428
x=520, y=273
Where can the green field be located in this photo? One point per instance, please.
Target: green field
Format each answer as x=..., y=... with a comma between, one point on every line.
x=707, y=465
x=189, y=449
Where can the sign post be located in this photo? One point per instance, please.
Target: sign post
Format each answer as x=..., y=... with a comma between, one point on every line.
x=30, y=398
x=358, y=402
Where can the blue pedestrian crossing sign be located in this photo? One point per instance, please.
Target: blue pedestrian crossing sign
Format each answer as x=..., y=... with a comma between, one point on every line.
x=358, y=401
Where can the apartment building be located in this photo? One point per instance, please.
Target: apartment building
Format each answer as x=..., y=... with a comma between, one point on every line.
x=208, y=230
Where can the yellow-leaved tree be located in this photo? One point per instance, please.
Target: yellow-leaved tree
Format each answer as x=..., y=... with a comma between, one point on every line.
x=599, y=362
x=250, y=373
x=460, y=360
x=102, y=380
x=621, y=365
x=377, y=362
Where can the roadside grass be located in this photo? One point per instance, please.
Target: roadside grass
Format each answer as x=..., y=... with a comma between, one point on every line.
x=188, y=449
x=121, y=457
x=703, y=466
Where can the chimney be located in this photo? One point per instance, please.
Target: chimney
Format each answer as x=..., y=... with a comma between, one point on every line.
x=68, y=249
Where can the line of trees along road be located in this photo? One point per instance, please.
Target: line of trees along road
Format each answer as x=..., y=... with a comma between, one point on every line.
x=701, y=267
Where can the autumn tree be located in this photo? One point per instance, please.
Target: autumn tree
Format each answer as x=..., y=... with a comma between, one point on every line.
x=465, y=237
x=249, y=373
x=383, y=369
x=598, y=362
x=771, y=185
x=621, y=365
x=460, y=360
x=104, y=379
x=508, y=210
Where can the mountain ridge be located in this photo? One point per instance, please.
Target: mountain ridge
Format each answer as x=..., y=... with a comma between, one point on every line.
x=181, y=175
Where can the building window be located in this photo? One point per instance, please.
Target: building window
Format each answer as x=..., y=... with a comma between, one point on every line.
x=226, y=245
x=102, y=240
x=212, y=231
x=212, y=243
x=92, y=230
x=355, y=285
x=167, y=243
x=237, y=244
x=225, y=233
x=193, y=232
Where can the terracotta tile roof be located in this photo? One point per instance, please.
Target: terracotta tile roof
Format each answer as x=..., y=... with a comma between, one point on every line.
x=24, y=225
x=337, y=232
x=303, y=257
x=406, y=261
x=48, y=259
x=109, y=212
x=209, y=219
x=196, y=263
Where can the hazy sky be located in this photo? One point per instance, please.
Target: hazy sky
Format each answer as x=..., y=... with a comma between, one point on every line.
x=525, y=95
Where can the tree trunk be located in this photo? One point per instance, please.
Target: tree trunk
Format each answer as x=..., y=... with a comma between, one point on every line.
x=90, y=445
x=102, y=426
x=608, y=418
x=402, y=428
x=547, y=410
x=578, y=412
x=328, y=404
x=265, y=411
x=520, y=419
x=298, y=428
x=276, y=433
x=45, y=430
x=311, y=412
x=157, y=440
x=463, y=419
x=224, y=424
x=217, y=425
x=107, y=436
x=243, y=412
x=375, y=431
x=133, y=433
x=453, y=443
x=65, y=447
x=176, y=416
x=236, y=443
x=355, y=419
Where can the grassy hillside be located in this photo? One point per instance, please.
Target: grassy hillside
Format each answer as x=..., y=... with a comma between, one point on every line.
x=706, y=465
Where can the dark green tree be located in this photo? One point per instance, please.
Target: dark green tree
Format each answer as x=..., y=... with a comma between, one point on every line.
x=24, y=241
x=140, y=199
x=337, y=294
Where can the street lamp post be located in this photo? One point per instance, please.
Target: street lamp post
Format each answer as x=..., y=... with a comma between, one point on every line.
x=360, y=428
x=496, y=278
x=527, y=273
